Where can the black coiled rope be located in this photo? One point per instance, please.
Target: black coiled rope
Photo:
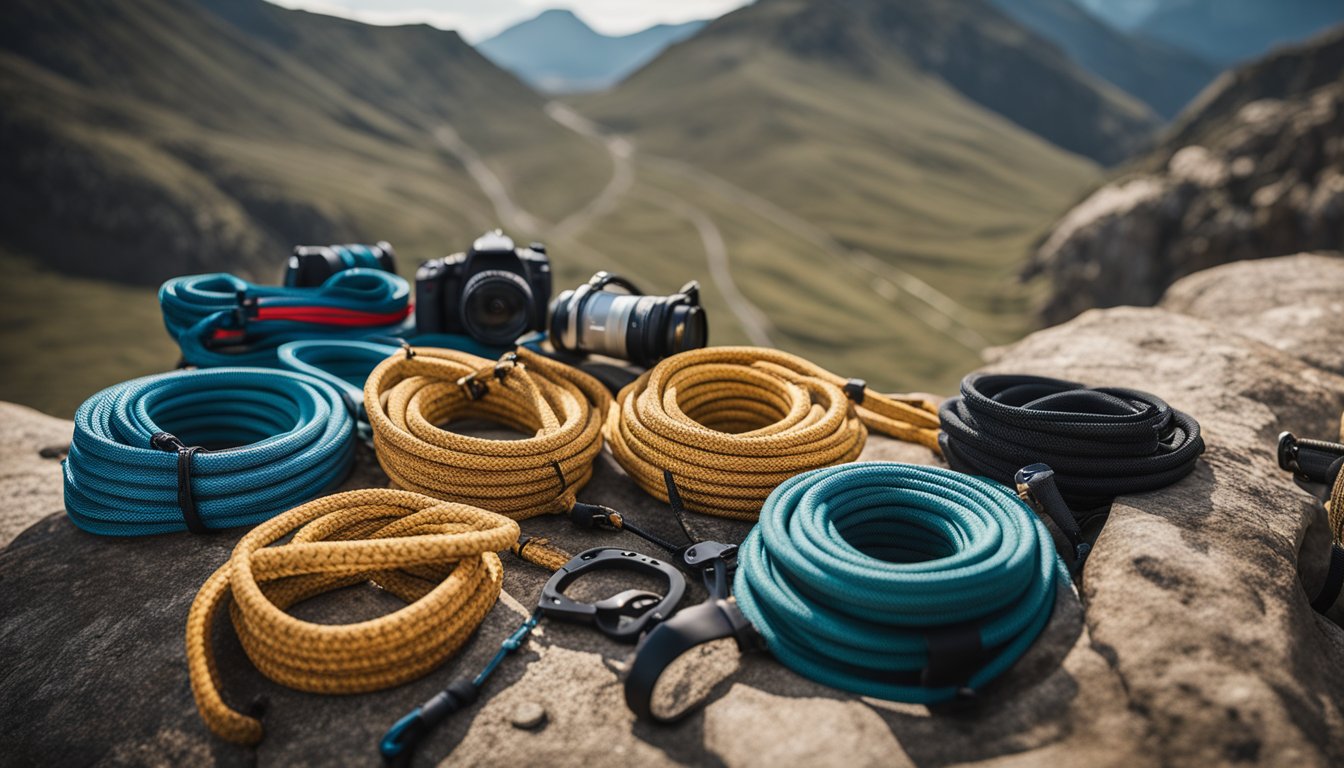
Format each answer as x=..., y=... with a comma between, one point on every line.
x=1101, y=442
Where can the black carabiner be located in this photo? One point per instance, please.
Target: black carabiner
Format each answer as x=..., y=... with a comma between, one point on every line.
x=623, y=617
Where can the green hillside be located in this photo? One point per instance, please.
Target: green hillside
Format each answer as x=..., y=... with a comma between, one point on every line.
x=868, y=211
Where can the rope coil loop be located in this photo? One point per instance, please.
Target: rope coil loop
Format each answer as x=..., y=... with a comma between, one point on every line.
x=1101, y=442
x=898, y=581
x=439, y=557
x=407, y=398
x=732, y=423
x=205, y=449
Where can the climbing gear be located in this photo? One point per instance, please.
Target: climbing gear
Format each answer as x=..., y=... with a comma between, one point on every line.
x=891, y=580
x=203, y=450
x=346, y=363
x=1101, y=442
x=623, y=617
x=219, y=319
x=1318, y=468
x=731, y=423
x=412, y=392
x=439, y=557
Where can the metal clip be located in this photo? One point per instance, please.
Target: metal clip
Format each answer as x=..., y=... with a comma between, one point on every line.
x=474, y=388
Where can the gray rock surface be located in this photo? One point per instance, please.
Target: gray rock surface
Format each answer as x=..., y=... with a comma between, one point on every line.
x=1254, y=169
x=1192, y=642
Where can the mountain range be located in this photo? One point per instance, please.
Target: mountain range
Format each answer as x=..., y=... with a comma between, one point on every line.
x=556, y=52
x=1229, y=31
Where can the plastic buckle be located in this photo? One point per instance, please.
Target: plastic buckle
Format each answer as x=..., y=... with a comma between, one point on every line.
x=624, y=616
x=716, y=563
x=1024, y=479
x=474, y=388
x=1288, y=450
x=506, y=363
x=855, y=389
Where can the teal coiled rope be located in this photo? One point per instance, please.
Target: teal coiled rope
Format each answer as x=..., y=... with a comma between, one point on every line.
x=220, y=319
x=268, y=440
x=857, y=574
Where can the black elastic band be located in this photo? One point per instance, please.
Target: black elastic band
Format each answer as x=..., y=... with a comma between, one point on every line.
x=560, y=474
x=855, y=389
x=166, y=441
x=955, y=653
x=1334, y=581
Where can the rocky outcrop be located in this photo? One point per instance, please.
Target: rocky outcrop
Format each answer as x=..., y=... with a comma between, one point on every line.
x=1243, y=176
x=1190, y=642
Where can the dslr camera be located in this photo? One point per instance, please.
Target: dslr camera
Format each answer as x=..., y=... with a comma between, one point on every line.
x=626, y=323
x=310, y=265
x=494, y=293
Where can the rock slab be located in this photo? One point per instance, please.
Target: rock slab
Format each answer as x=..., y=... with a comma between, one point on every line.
x=1191, y=641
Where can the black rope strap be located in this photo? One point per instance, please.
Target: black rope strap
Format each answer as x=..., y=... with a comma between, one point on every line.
x=166, y=441
x=1100, y=442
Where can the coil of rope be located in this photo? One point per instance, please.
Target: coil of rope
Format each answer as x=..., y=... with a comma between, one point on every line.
x=732, y=423
x=561, y=408
x=1101, y=442
x=219, y=319
x=439, y=557
x=899, y=581
x=1318, y=467
x=261, y=441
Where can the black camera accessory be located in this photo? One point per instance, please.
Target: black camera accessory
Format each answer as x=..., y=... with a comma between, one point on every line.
x=493, y=293
x=310, y=265
x=629, y=325
x=624, y=617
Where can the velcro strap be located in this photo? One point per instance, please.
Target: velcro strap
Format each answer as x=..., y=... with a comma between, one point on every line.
x=955, y=653
x=166, y=441
x=1334, y=581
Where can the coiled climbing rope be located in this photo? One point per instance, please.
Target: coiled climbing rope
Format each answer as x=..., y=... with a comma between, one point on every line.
x=897, y=581
x=411, y=393
x=1101, y=442
x=205, y=449
x=732, y=423
x=219, y=319
x=1318, y=467
x=439, y=557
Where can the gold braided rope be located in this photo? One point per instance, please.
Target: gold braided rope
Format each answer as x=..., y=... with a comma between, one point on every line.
x=731, y=423
x=439, y=557
x=1334, y=508
x=408, y=395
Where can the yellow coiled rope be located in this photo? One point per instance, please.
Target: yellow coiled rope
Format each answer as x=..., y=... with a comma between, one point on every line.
x=440, y=557
x=732, y=423
x=408, y=395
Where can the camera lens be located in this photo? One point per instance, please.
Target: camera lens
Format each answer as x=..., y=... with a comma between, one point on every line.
x=495, y=307
x=641, y=329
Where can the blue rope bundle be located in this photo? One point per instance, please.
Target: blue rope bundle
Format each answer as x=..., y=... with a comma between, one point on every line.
x=220, y=319
x=857, y=573
x=269, y=440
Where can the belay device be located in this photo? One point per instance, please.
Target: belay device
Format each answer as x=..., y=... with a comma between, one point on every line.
x=624, y=617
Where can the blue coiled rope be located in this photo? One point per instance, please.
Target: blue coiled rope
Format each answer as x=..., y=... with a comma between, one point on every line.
x=855, y=571
x=272, y=440
x=254, y=319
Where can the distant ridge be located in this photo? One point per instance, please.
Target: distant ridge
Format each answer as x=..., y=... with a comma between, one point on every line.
x=556, y=52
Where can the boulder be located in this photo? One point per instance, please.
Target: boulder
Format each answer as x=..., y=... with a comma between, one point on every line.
x=1189, y=641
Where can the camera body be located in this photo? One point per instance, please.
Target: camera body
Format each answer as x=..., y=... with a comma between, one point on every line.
x=494, y=292
x=310, y=266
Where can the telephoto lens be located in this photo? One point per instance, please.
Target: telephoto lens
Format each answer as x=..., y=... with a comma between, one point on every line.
x=628, y=324
x=309, y=266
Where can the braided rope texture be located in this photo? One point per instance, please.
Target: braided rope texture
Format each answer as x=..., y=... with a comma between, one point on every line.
x=852, y=567
x=369, y=301
x=1334, y=508
x=439, y=557
x=732, y=423
x=1101, y=442
x=291, y=433
x=410, y=394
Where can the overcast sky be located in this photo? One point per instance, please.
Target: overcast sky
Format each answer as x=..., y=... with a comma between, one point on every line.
x=477, y=20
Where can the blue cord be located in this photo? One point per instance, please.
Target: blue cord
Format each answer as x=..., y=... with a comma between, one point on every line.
x=273, y=440
x=196, y=307
x=852, y=567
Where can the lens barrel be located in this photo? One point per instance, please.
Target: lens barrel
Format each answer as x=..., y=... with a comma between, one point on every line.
x=496, y=307
x=641, y=329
